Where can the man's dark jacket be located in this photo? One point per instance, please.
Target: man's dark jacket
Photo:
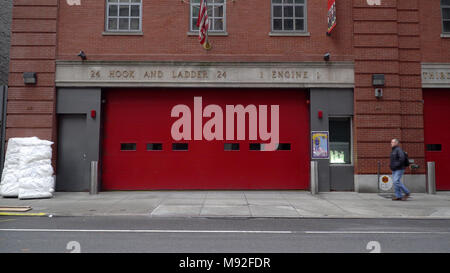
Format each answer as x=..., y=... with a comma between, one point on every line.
x=397, y=159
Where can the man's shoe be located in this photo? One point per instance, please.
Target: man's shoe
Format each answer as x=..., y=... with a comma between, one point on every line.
x=404, y=198
x=396, y=199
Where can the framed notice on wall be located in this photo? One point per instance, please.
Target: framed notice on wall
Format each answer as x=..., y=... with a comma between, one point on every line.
x=320, y=145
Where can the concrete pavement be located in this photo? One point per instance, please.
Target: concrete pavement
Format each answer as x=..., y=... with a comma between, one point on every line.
x=283, y=204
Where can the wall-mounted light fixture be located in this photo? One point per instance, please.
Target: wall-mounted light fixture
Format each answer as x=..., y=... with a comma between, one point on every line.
x=327, y=57
x=29, y=77
x=378, y=93
x=378, y=81
x=82, y=55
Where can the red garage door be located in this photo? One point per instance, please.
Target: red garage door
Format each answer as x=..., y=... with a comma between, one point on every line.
x=139, y=152
x=437, y=133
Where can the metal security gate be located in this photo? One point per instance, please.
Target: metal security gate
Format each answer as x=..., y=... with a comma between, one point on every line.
x=437, y=133
x=139, y=152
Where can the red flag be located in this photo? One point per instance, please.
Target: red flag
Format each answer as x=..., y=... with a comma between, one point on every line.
x=331, y=15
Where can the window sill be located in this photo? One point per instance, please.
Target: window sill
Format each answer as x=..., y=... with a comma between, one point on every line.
x=288, y=34
x=445, y=35
x=118, y=33
x=193, y=33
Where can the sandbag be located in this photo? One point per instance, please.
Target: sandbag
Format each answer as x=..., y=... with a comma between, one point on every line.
x=35, y=153
x=28, y=141
x=34, y=187
x=27, y=171
x=42, y=171
x=10, y=185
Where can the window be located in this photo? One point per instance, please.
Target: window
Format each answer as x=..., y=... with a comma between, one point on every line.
x=179, y=146
x=123, y=15
x=445, y=5
x=434, y=147
x=340, y=140
x=216, y=15
x=154, y=146
x=128, y=146
x=255, y=146
x=289, y=15
x=260, y=147
x=231, y=147
x=284, y=147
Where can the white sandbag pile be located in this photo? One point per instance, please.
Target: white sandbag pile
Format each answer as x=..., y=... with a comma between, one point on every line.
x=28, y=172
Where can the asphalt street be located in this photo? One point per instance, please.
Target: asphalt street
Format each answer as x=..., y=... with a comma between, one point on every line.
x=247, y=235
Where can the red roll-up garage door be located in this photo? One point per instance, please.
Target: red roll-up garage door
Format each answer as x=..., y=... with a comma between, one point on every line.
x=437, y=133
x=140, y=154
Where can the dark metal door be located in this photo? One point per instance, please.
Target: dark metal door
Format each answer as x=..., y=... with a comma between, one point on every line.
x=73, y=166
x=342, y=178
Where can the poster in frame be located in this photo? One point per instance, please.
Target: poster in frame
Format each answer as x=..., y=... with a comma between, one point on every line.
x=320, y=145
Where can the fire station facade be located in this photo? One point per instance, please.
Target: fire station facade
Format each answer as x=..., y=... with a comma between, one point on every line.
x=109, y=74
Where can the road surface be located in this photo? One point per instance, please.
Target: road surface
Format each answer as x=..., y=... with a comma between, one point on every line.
x=146, y=234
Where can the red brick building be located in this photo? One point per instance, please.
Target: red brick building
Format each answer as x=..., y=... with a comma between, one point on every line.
x=143, y=57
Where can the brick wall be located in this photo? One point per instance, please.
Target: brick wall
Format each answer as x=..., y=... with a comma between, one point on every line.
x=434, y=49
x=5, y=34
x=387, y=41
x=166, y=23
x=31, y=108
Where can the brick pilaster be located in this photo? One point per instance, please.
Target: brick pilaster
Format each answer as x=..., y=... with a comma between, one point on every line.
x=31, y=108
x=387, y=41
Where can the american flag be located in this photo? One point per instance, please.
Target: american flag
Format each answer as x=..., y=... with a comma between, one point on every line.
x=203, y=24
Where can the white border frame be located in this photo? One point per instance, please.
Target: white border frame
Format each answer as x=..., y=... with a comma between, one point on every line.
x=351, y=140
x=107, y=31
x=290, y=32
x=210, y=31
x=442, y=19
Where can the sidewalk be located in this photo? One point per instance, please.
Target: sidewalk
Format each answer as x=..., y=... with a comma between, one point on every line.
x=292, y=204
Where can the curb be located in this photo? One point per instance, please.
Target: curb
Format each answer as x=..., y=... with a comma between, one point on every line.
x=227, y=216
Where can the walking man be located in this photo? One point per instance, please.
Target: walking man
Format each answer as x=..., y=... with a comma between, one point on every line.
x=397, y=166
